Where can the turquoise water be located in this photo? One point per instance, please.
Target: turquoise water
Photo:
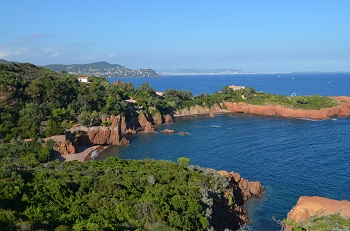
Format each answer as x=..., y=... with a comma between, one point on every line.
x=290, y=157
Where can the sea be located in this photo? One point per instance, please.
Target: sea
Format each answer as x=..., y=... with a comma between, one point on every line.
x=290, y=157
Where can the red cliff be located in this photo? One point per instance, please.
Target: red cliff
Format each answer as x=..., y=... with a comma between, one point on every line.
x=102, y=135
x=238, y=192
x=341, y=110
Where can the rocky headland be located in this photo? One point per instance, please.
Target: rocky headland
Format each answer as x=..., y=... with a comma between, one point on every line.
x=239, y=191
x=226, y=210
x=341, y=110
x=308, y=208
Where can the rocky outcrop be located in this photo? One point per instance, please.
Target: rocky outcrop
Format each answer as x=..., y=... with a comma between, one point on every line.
x=64, y=148
x=245, y=189
x=168, y=119
x=341, y=110
x=225, y=208
x=308, y=207
x=148, y=127
x=102, y=135
x=106, y=136
x=142, y=120
x=168, y=131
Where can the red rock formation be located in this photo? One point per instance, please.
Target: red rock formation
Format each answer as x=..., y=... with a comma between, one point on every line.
x=168, y=131
x=341, y=110
x=142, y=120
x=148, y=127
x=229, y=211
x=107, y=136
x=307, y=207
x=64, y=148
x=168, y=119
x=248, y=188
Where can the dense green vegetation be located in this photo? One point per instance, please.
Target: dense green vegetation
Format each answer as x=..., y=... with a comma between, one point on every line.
x=331, y=222
x=36, y=194
x=111, y=195
x=36, y=102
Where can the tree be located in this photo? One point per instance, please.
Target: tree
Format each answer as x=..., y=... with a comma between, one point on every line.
x=184, y=161
x=30, y=118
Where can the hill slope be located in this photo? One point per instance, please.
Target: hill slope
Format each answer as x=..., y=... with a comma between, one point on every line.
x=101, y=69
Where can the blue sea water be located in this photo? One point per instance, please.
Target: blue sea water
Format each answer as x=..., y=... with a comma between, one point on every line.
x=290, y=157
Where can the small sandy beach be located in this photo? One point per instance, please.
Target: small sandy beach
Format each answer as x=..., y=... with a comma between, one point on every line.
x=82, y=155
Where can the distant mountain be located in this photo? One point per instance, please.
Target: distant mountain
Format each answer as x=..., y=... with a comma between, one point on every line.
x=201, y=71
x=102, y=69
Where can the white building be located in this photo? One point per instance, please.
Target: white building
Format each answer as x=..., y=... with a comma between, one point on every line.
x=83, y=79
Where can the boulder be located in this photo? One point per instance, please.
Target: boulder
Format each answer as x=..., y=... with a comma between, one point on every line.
x=168, y=131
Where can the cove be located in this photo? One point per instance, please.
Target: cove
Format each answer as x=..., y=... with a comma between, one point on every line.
x=290, y=157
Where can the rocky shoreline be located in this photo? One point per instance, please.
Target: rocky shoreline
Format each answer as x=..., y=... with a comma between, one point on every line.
x=96, y=138
x=81, y=136
x=341, y=110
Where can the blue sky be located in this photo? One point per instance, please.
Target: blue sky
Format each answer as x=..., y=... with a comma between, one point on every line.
x=251, y=35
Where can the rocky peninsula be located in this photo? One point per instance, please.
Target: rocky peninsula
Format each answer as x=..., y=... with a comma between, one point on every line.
x=340, y=110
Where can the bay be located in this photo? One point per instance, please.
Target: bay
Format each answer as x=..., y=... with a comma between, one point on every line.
x=290, y=157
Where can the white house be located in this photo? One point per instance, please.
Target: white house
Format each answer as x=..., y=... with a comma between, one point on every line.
x=83, y=79
x=233, y=87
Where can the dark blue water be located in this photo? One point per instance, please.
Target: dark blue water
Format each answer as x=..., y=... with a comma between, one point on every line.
x=290, y=157
x=287, y=84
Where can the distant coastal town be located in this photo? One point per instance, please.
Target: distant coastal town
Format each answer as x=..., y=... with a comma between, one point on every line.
x=102, y=69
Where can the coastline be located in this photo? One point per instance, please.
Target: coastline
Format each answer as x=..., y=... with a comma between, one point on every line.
x=340, y=110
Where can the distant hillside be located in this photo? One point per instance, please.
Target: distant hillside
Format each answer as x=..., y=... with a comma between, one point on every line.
x=102, y=69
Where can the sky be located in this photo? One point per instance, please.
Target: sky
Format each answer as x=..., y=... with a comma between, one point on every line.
x=250, y=35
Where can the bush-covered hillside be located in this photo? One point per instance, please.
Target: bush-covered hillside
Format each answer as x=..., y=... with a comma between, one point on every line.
x=111, y=195
x=324, y=223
